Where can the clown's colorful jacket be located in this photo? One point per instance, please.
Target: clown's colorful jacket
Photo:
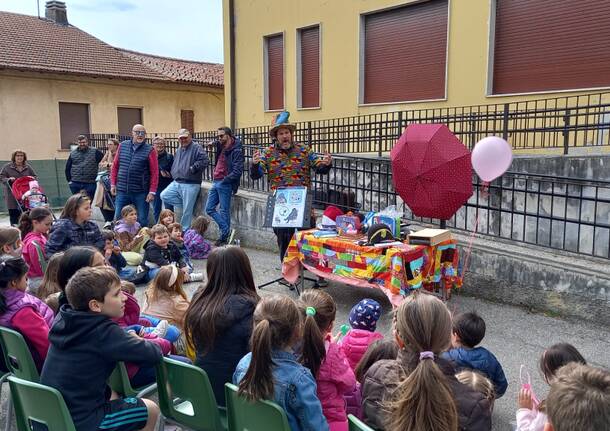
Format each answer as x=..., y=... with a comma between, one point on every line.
x=291, y=168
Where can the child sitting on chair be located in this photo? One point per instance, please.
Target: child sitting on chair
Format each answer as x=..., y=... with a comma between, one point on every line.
x=34, y=197
x=85, y=347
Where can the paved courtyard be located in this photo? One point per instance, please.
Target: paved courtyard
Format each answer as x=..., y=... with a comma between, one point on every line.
x=514, y=335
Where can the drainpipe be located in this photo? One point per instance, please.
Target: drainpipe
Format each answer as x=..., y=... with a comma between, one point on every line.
x=232, y=100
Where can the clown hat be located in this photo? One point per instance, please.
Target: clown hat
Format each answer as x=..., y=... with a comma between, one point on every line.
x=281, y=120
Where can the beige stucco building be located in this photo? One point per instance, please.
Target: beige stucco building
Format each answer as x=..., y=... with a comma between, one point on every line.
x=56, y=81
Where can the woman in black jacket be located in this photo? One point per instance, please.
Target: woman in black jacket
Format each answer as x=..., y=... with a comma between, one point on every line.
x=219, y=320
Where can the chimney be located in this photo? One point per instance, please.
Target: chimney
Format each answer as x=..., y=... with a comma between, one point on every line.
x=56, y=11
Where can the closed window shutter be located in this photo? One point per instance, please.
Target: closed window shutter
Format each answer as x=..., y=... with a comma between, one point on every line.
x=405, y=51
x=275, y=72
x=547, y=45
x=187, y=120
x=310, y=67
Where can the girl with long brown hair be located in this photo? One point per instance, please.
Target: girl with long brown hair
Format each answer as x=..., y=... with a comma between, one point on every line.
x=218, y=322
x=272, y=372
x=324, y=357
x=74, y=227
x=418, y=390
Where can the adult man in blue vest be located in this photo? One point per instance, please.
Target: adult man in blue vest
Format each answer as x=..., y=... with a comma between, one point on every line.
x=187, y=171
x=81, y=167
x=134, y=176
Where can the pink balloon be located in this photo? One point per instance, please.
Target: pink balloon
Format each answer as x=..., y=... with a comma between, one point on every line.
x=491, y=157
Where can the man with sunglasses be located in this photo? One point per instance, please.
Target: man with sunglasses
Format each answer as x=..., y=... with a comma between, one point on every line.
x=134, y=176
x=228, y=167
x=187, y=172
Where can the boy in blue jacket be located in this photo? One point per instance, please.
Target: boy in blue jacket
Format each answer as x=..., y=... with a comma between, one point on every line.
x=86, y=345
x=468, y=332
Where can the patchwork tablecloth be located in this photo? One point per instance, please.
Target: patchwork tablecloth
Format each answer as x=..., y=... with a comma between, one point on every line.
x=397, y=270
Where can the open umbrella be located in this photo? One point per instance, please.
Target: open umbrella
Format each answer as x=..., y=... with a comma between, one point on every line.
x=431, y=170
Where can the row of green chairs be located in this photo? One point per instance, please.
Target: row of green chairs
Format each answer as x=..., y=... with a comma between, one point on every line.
x=185, y=396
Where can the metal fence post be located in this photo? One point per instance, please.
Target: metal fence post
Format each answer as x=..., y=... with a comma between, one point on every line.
x=566, y=132
x=505, y=122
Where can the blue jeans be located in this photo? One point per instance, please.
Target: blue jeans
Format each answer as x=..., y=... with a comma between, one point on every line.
x=76, y=187
x=158, y=205
x=182, y=195
x=220, y=193
x=136, y=199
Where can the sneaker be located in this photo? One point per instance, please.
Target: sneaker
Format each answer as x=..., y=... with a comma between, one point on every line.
x=195, y=276
x=161, y=329
x=107, y=225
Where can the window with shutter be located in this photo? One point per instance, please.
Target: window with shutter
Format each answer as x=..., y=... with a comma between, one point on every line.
x=187, y=120
x=309, y=67
x=73, y=121
x=548, y=45
x=405, y=53
x=128, y=117
x=274, y=71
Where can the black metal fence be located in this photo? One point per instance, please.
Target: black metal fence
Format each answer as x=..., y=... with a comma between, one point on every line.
x=555, y=123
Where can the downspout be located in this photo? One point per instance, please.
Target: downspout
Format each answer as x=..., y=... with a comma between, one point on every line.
x=232, y=100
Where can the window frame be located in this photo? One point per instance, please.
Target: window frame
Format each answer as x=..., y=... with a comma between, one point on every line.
x=266, y=38
x=362, y=59
x=299, y=88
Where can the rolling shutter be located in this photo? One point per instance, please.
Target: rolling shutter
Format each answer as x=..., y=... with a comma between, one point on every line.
x=547, y=45
x=275, y=72
x=405, y=51
x=310, y=67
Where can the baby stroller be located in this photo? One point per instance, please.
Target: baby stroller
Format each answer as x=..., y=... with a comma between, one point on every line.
x=20, y=187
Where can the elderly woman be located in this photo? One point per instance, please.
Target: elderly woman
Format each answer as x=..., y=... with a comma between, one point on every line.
x=17, y=168
x=103, y=199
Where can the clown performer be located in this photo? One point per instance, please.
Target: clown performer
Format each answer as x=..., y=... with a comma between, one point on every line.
x=288, y=164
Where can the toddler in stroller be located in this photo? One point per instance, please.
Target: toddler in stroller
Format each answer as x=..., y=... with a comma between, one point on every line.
x=34, y=197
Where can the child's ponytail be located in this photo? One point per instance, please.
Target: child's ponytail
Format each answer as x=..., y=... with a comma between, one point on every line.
x=26, y=221
x=319, y=311
x=257, y=384
x=277, y=323
x=11, y=269
x=423, y=401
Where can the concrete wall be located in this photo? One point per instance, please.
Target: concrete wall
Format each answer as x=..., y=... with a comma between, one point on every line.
x=29, y=108
x=574, y=166
x=533, y=277
x=339, y=20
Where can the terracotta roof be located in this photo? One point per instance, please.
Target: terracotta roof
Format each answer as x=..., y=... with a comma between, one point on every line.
x=33, y=44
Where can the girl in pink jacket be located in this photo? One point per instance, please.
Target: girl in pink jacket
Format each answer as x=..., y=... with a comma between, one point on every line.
x=323, y=356
x=363, y=319
x=34, y=226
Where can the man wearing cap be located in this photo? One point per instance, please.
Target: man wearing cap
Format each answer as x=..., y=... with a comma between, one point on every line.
x=187, y=171
x=287, y=164
x=228, y=167
x=81, y=167
x=133, y=176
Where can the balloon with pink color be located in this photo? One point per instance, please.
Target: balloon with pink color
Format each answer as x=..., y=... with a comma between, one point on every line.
x=491, y=157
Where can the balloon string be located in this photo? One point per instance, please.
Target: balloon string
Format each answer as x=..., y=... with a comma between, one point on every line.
x=484, y=193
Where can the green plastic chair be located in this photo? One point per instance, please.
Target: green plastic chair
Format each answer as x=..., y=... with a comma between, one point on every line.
x=186, y=397
x=17, y=355
x=119, y=382
x=244, y=415
x=356, y=424
x=39, y=403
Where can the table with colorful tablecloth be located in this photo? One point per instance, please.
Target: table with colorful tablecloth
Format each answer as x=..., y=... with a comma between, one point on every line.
x=397, y=270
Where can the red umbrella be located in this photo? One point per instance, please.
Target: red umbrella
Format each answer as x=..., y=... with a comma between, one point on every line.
x=431, y=170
